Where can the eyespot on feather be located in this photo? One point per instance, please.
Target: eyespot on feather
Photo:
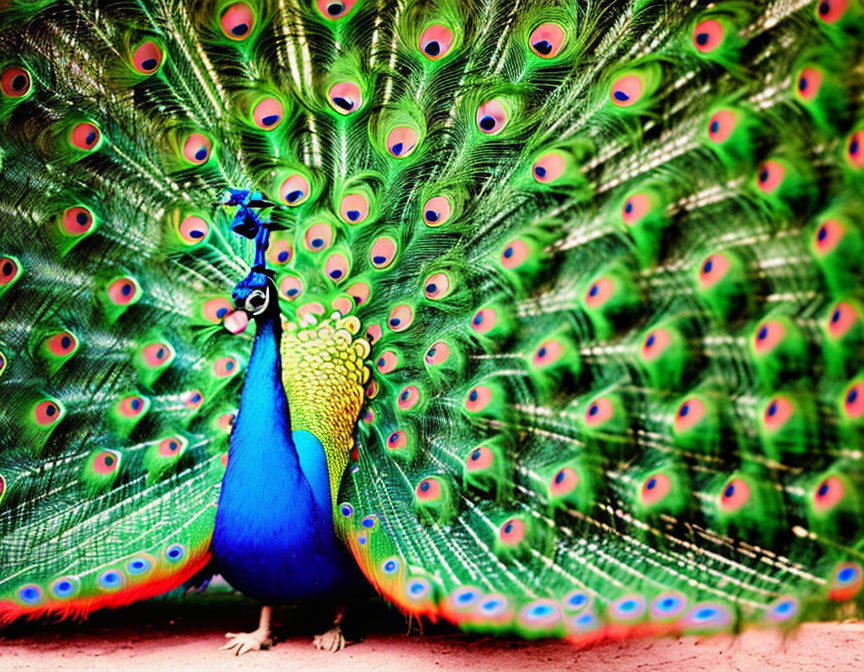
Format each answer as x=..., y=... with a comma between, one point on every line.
x=512, y=532
x=215, y=310
x=294, y=190
x=336, y=267
x=402, y=141
x=193, y=230
x=147, y=57
x=15, y=82
x=479, y=458
x=123, y=291
x=769, y=176
x=382, y=253
x=599, y=411
x=768, y=336
x=360, y=292
x=225, y=367
x=437, y=353
x=354, y=209
x=268, y=113
x=196, y=149
x=437, y=211
x=547, y=353
x=855, y=150
x=85, y=136
x=10, y=269
x=478, y=398
x=386, y=362
x=345, y=98
x=335, y=9
x=721, y=125
x=237, y=21
x=290, y=287
x=547, y=40
x=831, y=11
x=408, y=398
x=47, y=412
x=279, y=252
x=549, y=167
x=708, y=35
x=484, y=320
x=157, y=354
x=400, y=318
x=626, y=90
x=808, y=84
x=492, y=117
x=436, y=286
x=435, y=42
x=76, y=221
x=735, y=494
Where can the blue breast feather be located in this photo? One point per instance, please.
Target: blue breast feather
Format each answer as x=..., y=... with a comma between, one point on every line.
x=274, y=538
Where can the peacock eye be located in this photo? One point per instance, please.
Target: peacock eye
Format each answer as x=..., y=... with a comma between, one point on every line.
x=257, y=301
x=15, y=82
x=345, y=97
x=237, y=21
x=635, y=208
x=546, y=40
x=337, y=267
x=855, y=150
x=318, y=237
x=770, y=176
x=626, y=91
x=436, y=41
x=808, y=84
x=147, y=58
x=193, y=230
x=831, y=11
x=268, y=113
x=437, y=211
x=492, y=117
x=549, y=167
x=77, y=220
x=335, y=9
x=383, y=252
x=437, y=286
x=85, y=136
x=294, y=190
x=290, y=287
x=354, y=208
x=196, y=149
x=721, y=125
x=707, y=36
x=402, y=141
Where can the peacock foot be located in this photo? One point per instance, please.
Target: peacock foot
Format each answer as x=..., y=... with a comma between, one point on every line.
x=333, y=640
x=257, y=640
x=244, y=642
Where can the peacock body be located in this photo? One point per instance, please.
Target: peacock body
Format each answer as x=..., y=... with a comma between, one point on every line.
x=558, y=308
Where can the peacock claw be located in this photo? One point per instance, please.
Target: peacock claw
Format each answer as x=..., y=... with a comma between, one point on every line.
x=333, y=640
x=244, y=642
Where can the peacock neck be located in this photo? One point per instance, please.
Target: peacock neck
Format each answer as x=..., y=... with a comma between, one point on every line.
x=264, y=453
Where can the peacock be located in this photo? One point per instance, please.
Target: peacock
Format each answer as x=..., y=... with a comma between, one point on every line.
x=539, y=317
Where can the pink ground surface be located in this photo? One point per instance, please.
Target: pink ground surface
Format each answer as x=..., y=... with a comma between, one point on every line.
x=185, y=637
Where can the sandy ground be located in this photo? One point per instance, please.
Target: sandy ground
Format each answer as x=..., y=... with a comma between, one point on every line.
x=185, y=637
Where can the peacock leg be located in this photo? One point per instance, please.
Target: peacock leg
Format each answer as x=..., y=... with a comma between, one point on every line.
x=333, y=640
x=243, y=642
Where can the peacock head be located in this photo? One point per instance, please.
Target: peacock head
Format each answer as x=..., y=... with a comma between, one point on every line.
x=255, y=295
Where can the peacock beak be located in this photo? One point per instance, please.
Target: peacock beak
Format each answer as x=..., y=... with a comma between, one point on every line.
x=236, y=321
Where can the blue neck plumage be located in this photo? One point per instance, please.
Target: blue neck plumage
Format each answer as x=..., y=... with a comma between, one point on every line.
x=263, y=452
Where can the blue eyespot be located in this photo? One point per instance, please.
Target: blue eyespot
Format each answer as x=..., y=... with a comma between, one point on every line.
x=649, y=341
x=651, y=484
x=347, y=510
x=110, y=579
x=30, y=594
x=368, y=522
x=175, y=553
x=730, y=490
x=138, y=566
